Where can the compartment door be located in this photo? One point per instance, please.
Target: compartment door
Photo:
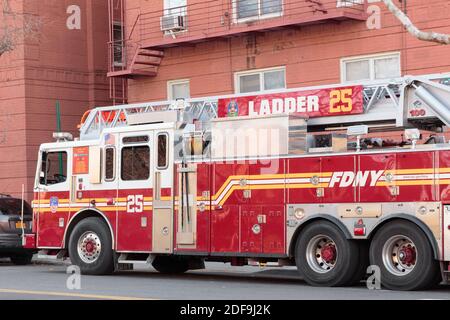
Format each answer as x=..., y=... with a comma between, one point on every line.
x=251, y=230
x=162, y=237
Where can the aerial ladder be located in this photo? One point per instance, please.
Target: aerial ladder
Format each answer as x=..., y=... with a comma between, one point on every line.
x=421, y=102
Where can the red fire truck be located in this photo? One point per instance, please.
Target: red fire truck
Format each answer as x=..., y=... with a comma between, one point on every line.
x=293, y=177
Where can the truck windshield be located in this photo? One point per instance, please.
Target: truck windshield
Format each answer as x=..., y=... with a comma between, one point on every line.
x=10, y=207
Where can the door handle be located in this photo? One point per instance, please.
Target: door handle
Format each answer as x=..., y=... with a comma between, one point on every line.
x=262, y=218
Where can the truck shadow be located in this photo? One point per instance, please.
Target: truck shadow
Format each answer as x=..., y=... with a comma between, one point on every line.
x=284, y=277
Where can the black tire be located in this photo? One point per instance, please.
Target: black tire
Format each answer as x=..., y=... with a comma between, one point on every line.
x=21, y=259
x=104, y=263
x=347, y=257
x=425, y=269
x=170, y=265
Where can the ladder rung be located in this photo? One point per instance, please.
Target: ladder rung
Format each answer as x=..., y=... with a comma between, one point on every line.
x=149, y=54
x=148, y=63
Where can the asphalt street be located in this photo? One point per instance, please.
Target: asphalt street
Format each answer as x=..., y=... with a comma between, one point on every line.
x=218, y=281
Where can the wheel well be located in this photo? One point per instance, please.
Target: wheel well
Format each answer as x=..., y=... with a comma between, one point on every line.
x=314, y=219
x=81, y=216
x=422, y=226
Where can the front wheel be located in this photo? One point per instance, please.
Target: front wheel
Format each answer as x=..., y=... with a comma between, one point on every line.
x=90, y=247
x=405, y=257
x=324, y=257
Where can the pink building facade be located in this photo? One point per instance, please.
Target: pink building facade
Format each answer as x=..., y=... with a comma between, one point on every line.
x=127, y=51
x=61, y=62
x=178, y=48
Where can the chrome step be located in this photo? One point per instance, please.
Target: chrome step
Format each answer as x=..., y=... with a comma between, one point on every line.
x=127, y=258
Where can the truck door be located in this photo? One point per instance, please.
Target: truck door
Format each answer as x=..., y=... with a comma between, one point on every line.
x=162, y=236
x=52, y=188
x=136, y=178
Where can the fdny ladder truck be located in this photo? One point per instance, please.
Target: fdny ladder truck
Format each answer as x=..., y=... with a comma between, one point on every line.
x=294, y=177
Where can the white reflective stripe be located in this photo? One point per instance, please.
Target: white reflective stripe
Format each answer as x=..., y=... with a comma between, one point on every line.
x=407, y=177
x=258, y=182
x=414, y=177
x=306, y=180
x=87, y=205
x=298, y=180
x=227, y=188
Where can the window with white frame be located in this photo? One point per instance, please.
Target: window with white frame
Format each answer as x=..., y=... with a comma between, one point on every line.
x=251, y=9
x=178, y=89
x=260, y=80
x=175, y=7
x=374, y=67
x=349, y=3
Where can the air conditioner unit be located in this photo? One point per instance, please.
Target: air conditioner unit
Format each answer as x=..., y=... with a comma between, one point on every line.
x=173, y=23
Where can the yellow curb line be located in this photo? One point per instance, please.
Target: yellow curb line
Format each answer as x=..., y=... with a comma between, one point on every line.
x=73, y=295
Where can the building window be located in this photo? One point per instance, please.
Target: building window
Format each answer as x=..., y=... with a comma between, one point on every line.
x=373, y=67
x=174, y=18
x=162, y=151
x=110, y=160
x=175, y=7
x=349, y=3
x=178, y=89
x=118, y=44
x=135, y=163
x=251, y=9
x=260, y=80
x=54, y=168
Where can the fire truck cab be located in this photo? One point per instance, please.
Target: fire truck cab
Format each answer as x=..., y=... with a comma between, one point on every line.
x=173, y=184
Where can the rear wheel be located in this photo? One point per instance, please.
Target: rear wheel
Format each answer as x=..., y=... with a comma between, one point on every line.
x=90, y=247
x=21, y=259
x=324, y=257
x=405, y=257
x=170, y=265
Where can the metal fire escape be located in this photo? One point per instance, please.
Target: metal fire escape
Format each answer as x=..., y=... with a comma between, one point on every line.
x=127, y=58
x=137, y=44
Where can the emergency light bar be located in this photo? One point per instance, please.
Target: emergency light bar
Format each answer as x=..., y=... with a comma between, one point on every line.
x=62, y=136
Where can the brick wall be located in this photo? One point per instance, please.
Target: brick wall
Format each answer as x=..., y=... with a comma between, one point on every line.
x=57, y=64
x=311, y=54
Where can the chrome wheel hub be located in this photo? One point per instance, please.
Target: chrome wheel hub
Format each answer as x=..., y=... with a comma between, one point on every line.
x=321, y=254
x=89, y=247
x=399, y=255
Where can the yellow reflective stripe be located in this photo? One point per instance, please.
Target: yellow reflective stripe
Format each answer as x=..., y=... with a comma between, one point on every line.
x=405, y=183
x=306, y=185
x=410, y=171
x=268, y=186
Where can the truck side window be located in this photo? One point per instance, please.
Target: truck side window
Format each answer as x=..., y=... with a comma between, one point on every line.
x=162, y=151
x=109, y=164
x=135, y=163
x=54, y=168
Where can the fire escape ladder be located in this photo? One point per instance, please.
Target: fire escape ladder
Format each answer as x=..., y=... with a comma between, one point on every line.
x=143, y=63
x=146, y=62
